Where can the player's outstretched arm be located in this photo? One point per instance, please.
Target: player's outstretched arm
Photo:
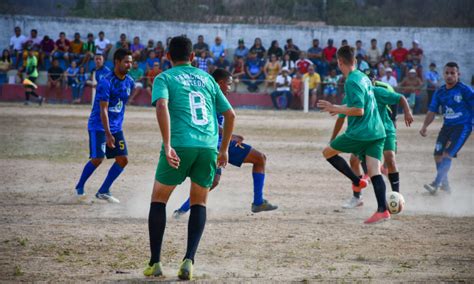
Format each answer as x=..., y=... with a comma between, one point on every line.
x=340, y=109
x=104, y=117
x=428, y=120
x=229, y=117
x=163, y=117
x=408, y=116
x=337, y=127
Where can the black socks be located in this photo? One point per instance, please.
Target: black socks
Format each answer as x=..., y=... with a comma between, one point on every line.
x=394, y=179
x=197, y=220
x=379, y=188
x=341, y=165
x=156, y=229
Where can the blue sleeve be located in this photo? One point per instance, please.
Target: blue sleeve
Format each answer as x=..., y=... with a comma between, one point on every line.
x=434, y=104
x=103, y=90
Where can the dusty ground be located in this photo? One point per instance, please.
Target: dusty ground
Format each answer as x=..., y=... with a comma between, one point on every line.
x=46, y=236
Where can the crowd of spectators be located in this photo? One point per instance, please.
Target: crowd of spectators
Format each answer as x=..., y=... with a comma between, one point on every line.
x=280, y=71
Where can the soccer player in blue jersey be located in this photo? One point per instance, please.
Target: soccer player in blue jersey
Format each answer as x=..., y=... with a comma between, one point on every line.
x=457, y=102
x=105, y=125
x=239, y=153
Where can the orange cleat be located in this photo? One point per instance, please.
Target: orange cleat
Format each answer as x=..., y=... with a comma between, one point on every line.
x=362, y=184
x=378, y=217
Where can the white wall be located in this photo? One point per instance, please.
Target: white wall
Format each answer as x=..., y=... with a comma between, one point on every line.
x=439, y=44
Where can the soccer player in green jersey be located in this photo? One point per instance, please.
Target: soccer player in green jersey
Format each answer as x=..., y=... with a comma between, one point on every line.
x=365, y=130
x=187, y=102
x=385, y=97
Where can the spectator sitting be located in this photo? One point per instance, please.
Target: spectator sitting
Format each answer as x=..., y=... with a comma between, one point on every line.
x=5, y=65
x=254, y=75
x=400, y=56
x=411, y=88
x=160, y=50
x=151, y=60
x=78, y=90
x=329, y=53
x=388, y=78
x=238, y=70
x=46, y=49
x=292, y=50
x=33, y=44
x=241, y=50
x=380, y=71
x=203, y=61
x=61, y=47
x=361, y=63
x=415, y=54
x=432, y=82
x=289, y=64
x=344, y=42
x=55, y=79
x=16, y=45
x=297, y=88
x=272, y=69
x=360, y=50
x=77, y=49
x=137, y=49
x=275, y=49
x=302, y=63
x=283, y=83
x=168, y=40
x=149, y=48
x=258, y=48
x=137, y=75
x=330, y=85
x=373, y=54
x=200, y=46
x=123, y=42
x=165, y=63
x=150, y=77
x=222, y=63
x=102, y=45
x=71, y=75
x=315, y=54
x=217, y=48
x=89, y=50
x=314, y=80
x=387, y=53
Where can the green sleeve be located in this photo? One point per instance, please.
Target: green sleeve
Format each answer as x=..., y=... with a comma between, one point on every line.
x=160, y=89
x=222, y=104
x=355, y=95
x=385, y=97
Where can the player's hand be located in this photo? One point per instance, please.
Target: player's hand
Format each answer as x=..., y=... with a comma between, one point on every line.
x=423, y=131
x=408, y=119
x=326, y=106
x=110, y=140
x=222, y=159
x=172, y=158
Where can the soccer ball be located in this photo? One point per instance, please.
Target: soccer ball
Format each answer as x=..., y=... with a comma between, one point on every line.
x=395, y=202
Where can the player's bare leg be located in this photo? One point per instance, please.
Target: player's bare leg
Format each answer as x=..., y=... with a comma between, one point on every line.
x=393, y=174
x=382, y=214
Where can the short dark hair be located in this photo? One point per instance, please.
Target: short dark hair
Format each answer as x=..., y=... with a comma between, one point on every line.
x=90, y=35
x=372, y=40
x=101, y=32
x=34, y=31
x=62, y=33
x=120, y=54
x=358, y=41
x=452, y=65
x=346, y=54
x=180, y=48
x=221, y=74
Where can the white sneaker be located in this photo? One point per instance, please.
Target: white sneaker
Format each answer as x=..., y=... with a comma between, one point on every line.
x=107, y=197
x=353, y=203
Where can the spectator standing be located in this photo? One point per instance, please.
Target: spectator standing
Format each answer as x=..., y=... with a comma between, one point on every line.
x=387, y=53
x=292, y=50
x=303, y=63
x=61, y=47
x=314, y=80
x=200, y=46
x=373, y=54
x=5, y=66
x=16, y=45
x=254, y=75
x=78, y=90
x=258, y=48
x=123, y=42
x=137, y=49
x=138, y=77
x=55, y=78
x=315, y=54
x=289, y=64
x=411, y=88
x=272, y=69
x=283, y=83
x=77, y=49
x=46, y=50
x=217, y=48
x=241, y=50
x=275, y=49
x=329, y=53
x=102, y=45
x=297, y=88
x=360, y=50
x=433, y=80
x=388, y=78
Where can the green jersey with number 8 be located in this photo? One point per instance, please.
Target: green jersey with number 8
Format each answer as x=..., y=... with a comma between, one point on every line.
x=194, y=99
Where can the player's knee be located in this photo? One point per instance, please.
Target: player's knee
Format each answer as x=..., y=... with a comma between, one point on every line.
x=122, y=161
x=261, y=159
x=327, y=153
x=97, y=161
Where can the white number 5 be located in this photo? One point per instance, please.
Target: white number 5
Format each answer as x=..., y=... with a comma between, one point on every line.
x=197, y=103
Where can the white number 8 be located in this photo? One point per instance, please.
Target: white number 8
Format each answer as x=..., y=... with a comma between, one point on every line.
x=197, y=103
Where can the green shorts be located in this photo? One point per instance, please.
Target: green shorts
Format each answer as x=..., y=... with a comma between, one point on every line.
x=390, y=143
x=372, y=148
x=197, y=163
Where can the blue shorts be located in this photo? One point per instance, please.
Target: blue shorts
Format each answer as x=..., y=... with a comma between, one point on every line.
x=451, y=139
x=237, y=154
x=98, y=147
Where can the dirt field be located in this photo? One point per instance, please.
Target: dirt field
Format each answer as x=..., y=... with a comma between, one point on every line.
x=46, y=236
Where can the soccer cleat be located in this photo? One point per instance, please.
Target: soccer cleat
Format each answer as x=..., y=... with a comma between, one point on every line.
x=80, y=194
x=362, y=184
x=185, y=271
x=153, y=270
x=26, y=103
x=265, y=206
x=446, y=188
x=41, y=100
x=353, y=203
x=107, y=197
x=178, y=213
x=378, y=217
x=366, y=177
x=432, y=187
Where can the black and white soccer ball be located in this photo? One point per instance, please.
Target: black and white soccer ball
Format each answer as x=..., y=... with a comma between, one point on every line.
x=395, y=202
